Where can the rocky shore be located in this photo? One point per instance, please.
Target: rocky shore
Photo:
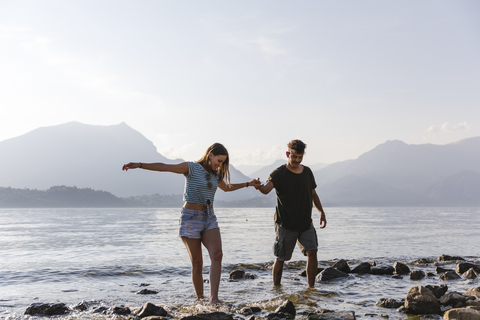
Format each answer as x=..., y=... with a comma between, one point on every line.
x=429, y=301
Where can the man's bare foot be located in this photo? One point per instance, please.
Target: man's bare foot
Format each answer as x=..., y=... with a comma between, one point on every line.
x=311, y=288
x=215, y=301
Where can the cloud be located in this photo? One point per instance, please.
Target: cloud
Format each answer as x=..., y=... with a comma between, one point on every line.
x=446, y=127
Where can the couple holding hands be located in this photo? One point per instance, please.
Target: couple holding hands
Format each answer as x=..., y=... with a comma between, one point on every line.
x=294, y=185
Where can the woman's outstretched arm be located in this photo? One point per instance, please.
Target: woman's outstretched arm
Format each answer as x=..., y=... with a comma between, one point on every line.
x=181, y=168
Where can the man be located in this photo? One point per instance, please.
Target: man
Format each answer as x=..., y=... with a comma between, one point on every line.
x=295, y=188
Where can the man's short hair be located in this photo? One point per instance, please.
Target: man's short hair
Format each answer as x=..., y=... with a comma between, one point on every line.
x=297, y=145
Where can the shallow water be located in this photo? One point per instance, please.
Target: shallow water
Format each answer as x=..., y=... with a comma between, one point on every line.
x=105, y=255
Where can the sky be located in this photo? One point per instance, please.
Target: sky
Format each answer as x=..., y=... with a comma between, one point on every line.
x=344, y=76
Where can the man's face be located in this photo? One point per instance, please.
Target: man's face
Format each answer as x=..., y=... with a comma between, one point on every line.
x=294, y=159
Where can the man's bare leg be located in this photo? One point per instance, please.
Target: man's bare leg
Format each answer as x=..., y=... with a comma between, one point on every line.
x=277, y=272
x=312, y=266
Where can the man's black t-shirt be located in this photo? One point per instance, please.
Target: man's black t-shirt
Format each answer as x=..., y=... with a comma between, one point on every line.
x=294, y=197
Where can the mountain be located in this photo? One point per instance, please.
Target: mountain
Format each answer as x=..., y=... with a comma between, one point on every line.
x=264, y=172
x=90, y=156
x=409, y=174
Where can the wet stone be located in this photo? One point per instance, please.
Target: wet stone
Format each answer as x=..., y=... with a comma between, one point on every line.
x=382, y=270
x=47, y=309
x=362, y=268
x=437, y=291
x=401, y=268
x=440, y=270
x=330, y=274
x=449, y=275
x=149, y=309
x=342, y=315
x=210, y=316
x=342, y=265
x=470, y=274
x=464, y=266
x=146, y=291
x=287, y=307
x=389, y=303
x=445, y=257
x=121, y=310
x=417, y=275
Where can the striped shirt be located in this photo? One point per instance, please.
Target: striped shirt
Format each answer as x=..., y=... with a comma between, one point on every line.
x=196, y=185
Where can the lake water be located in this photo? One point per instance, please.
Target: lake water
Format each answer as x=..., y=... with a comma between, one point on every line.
x=105, y=256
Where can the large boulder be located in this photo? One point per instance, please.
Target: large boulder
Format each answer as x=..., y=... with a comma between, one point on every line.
x=330, y=273
x=420, y=300
x=46, y=309
x=401, y=268
x=462, y=314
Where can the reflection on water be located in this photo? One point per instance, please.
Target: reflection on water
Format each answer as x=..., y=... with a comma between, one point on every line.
x=107, y=255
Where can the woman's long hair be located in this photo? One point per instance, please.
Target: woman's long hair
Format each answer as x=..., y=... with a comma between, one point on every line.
x=216, y=149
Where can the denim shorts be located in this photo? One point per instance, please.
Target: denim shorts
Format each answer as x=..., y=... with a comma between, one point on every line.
x=285, y=241
x=193, y=223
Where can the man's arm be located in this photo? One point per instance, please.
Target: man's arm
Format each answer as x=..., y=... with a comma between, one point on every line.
x=318, y=205
x=265, y=188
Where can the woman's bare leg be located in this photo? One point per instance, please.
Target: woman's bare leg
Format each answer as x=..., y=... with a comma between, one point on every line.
x=213, y=242
x=194, y=248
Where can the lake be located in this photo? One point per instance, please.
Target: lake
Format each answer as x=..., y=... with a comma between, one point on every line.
x=105, y=256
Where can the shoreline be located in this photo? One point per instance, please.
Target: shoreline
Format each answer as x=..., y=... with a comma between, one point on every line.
x=330, y=294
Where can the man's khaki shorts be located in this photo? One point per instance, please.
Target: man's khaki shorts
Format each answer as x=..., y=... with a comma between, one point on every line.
x=285, y=241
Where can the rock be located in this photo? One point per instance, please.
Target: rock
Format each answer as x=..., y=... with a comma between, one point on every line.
x=401, y=268
x=474, y=292
x=464, y=266
x=149, y=309
x=473, y=303
x=462, y=314
x=210, y=316
x=287, y=307
x=249, y=310
x=445, y=257
x=121, y=310
x=342, y=265
x=389, y=303
x=81, y=306
x=450, y=275
x=237, y=274
x=453, y=299
x=330, y=273
x=279, y=315
x=154, y=318
x=437, y=291
x=341, y=315
x=362, y=268
x=382, y=270
x=146, y=291
x=417, y=275
x=101, y=309
x=439, y=270
x=470, y=274
x=420, y=300
x=304, y=272
x=423, y=261
x=46, y=309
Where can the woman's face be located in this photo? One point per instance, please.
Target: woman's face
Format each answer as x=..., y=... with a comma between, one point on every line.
x=217, y=161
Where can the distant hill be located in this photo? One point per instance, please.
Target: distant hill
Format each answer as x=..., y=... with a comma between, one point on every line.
x=90, y=156
x=395, y=173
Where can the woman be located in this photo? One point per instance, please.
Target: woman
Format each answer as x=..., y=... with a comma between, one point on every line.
x=198, y=223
